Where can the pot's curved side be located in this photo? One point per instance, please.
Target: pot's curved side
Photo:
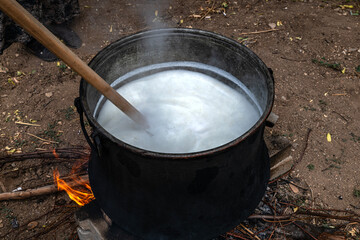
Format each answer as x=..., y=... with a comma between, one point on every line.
x=180, y=199
x=179, y=196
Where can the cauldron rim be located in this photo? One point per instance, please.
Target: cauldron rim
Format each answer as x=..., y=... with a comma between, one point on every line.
x=178, y=156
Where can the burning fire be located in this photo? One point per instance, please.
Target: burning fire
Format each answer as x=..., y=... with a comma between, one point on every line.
x=83, y=193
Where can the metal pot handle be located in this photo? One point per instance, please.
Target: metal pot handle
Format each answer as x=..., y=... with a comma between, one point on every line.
x=80, y=110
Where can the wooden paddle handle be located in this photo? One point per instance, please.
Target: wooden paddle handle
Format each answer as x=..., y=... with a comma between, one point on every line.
x=31, y=25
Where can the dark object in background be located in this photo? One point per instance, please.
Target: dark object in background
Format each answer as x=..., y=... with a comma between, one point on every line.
x=55, y=14
x=14, y=223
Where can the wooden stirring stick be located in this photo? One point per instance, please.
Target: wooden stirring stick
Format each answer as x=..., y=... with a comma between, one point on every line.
x=22, y=17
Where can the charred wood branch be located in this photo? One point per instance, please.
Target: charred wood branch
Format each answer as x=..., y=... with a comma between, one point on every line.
x=35, y=192
x=63, y=153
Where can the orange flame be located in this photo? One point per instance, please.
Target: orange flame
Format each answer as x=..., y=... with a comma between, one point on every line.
x=55, y=153
x=83, y=194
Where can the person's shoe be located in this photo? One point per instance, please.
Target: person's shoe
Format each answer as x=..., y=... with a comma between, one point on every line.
x=63, y=32
x=40, y=51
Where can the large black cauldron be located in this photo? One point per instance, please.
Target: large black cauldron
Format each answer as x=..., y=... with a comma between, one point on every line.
x=179, y=196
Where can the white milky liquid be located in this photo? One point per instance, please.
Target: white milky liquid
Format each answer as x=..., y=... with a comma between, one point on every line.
x=187, y=112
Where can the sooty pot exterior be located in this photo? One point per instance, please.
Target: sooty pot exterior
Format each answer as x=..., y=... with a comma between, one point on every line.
x=188, y=198
x=179, y=196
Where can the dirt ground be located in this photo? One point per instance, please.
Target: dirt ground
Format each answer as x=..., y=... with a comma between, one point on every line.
x=312, y=46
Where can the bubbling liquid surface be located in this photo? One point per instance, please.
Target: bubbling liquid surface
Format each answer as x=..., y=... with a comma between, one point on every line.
x=187, y=112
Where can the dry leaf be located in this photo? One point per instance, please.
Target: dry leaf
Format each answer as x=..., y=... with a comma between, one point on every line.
x=11, y=151
x=346, y=6
x=328, y=137
x=294, y=188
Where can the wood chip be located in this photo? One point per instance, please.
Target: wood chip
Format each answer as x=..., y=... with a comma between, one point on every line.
x=32, y=225
x=294, y=188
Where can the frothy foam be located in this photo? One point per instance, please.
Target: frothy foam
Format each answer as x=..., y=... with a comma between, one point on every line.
x=187, y=112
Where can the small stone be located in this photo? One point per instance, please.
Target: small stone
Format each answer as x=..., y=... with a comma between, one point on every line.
x=32, y=225
x=48, y=94
x=352, y=49
x=14, y=223
x=272, y=25
x=340, y=197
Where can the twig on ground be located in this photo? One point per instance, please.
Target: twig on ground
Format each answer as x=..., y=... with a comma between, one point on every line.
x=270, y=217
x=322, y=209
x=3, y=188
x=304, y=149
x=329, y=216
x=304, y=230
x=44, y=140
x=272, y=233
x=210, y=9
x=256, y=32
x=296, y=185
x=252, y=235
x=27, y=124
